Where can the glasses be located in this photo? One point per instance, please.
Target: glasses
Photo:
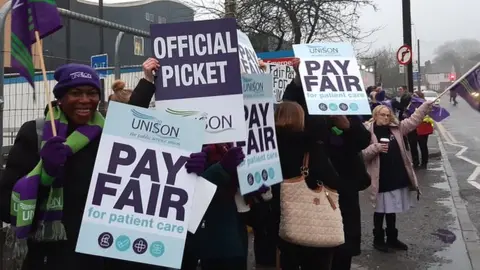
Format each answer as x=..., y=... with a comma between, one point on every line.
x=384, y=114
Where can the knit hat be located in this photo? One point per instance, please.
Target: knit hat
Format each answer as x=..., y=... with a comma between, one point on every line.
x=74, y=75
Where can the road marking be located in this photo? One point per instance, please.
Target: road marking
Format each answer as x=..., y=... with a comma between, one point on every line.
x=474, y=175
x=449, y=139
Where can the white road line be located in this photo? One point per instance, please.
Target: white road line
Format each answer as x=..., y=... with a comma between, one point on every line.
x=474, y=174
x=449, y=139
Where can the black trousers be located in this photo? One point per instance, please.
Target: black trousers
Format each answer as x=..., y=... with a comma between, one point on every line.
x=265, y=233
x=413, y=141
x=294, y=257
x=423, y=144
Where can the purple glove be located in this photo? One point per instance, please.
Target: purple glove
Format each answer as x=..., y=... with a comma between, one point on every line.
x=232, y=159
x=196, y=163
x=54, y=154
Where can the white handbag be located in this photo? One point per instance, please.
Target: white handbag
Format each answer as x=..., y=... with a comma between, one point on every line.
x=308, y=217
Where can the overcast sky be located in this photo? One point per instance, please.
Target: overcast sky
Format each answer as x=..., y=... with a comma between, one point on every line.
x=435, y=21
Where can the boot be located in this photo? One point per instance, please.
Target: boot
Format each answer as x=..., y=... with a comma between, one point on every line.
x=379, y=240
x=393, y=242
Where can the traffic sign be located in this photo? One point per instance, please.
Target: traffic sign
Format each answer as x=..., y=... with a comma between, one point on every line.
x=417, y=77
x=401, y=69
x=100, y=61
x=404, y=55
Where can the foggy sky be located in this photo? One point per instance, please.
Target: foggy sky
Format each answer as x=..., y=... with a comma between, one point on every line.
x=435, y=21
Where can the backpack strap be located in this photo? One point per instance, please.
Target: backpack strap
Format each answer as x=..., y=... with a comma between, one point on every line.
x=39, y=123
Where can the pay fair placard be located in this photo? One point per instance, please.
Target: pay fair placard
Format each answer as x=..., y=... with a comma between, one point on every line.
x=331, y=79
x=140, y=196
x=262, y=162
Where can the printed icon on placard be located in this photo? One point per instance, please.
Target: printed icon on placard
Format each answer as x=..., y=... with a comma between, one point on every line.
x=157, y=249
x=343, y=107
x=105, y=240
x=258, y=177
x=323, y=107
x=250, y=179
x=264, y=175
x=333, y=106
x=122, y=243
x=140, y=246
x=354, y=107
x=271, y=173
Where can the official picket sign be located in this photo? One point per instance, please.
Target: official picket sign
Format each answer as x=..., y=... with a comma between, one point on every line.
x=262, y=162
x=247, y=55
x=139, y=201
x=331, y=79
x=282, y=75
x=199, y=75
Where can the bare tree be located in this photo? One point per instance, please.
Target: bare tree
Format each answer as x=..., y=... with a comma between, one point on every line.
x=295, y=21
x=387, y=66
x=457, y=53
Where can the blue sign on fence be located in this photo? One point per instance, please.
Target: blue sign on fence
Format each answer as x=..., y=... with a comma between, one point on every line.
x=99, y=61
x=417, y=76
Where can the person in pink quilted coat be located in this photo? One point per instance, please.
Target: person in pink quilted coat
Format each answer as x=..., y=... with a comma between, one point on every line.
x=389, y=163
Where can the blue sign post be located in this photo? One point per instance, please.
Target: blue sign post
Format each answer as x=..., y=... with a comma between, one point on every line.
x=100, y=61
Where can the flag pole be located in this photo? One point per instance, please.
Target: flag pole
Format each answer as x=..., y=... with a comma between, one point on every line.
x=457, y=81
x=48, y=95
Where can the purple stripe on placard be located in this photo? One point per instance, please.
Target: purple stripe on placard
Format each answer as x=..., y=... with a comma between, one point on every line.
x=207, y=63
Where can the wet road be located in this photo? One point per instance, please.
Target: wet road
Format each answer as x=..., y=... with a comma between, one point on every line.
x=432, y=229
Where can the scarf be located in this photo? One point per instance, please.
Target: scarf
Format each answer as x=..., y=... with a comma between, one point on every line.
x=25, y=191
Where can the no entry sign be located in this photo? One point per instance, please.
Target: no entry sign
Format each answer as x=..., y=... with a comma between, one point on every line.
x=404, y=55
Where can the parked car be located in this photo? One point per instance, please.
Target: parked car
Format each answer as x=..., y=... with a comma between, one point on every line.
x=431, y=95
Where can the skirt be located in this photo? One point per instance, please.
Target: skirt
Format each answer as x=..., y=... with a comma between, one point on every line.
x=395, y=201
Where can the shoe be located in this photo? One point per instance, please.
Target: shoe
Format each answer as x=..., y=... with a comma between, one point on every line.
x=423, y=166
x=393, y=242
x=379, y=240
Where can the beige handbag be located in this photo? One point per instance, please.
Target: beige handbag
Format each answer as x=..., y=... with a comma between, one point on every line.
x=309, y=217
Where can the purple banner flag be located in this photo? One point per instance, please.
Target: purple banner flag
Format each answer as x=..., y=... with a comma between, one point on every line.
x=21, y=55
x=469, y=87
x=438, y=113
x=46, y=18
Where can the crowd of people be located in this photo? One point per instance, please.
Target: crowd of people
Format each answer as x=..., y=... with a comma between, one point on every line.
x=337, y=155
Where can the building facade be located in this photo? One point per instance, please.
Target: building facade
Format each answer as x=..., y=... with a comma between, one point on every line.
x=78, y=41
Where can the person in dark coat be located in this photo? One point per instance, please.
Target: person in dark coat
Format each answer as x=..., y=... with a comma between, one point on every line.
x=221, y=241
x=293, y=142
x=400, y=105
x=78, y=96
x=344, y=138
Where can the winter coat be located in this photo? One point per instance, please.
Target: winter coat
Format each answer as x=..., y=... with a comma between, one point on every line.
x=372, y=152
x=344, y=152
x=23, y=157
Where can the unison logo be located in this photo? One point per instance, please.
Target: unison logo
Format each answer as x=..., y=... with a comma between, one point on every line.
x=213, y=123
x=251, y=86
x=322, y=50
x=151, y=124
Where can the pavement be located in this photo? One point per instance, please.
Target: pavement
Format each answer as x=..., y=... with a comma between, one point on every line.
x=441, y=229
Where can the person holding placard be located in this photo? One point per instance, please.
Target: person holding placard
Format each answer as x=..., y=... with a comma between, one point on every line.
x=393, y=177
x=47, y=183
x=344, y=137
x=221, y=241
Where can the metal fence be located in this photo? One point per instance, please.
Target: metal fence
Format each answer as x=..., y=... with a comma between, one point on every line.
x=16, y=102
x=19, y=106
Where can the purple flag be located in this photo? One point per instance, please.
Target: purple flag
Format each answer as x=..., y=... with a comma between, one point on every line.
x=21, y=55
x=46, y=18
x=469, y=87
x=437, y=114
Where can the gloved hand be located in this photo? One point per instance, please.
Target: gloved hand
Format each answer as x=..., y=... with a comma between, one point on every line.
x=263, y=189
x=54, y=155
x=196, y=163
x=232, y=159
